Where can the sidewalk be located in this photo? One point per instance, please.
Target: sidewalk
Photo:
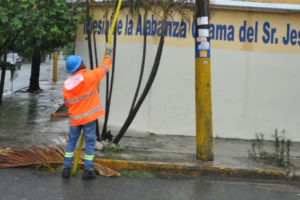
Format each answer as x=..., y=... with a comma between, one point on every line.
x=176, y=155
x=25, y=121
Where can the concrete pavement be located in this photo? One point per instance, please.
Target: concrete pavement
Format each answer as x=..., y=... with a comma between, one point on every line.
x=25, y=120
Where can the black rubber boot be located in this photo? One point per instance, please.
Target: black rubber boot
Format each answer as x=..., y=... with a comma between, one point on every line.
x=87, y=174
x=66, y=173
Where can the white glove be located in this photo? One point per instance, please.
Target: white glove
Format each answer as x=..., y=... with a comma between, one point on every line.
x=108, y=51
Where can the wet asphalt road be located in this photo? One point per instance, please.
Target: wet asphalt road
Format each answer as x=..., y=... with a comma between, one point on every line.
x=25, y=117
x=30, y=184
x=29, y=112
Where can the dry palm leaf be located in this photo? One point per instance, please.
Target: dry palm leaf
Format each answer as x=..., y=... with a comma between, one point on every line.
x=104, y=171
x=34, y=156
x=3, y=150
x=39, y=156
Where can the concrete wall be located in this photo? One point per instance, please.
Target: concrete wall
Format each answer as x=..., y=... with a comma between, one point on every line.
x=255, y=92
x=255, y=87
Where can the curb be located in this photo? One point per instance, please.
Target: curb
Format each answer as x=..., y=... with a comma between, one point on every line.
x=176, y=169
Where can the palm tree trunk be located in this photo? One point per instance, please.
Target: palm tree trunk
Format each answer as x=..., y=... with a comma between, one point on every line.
x=95, y=48
x=103, y=134
x=146, y=89
x=35, y=73
x=96, y=60
x=89, y=30
x=107, y=134
x=107, y=74
x=142, y=65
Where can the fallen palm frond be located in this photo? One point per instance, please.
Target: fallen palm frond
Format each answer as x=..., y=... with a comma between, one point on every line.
x=100, y=169
x=33, y=156
x=105, y=171
x=43, y=157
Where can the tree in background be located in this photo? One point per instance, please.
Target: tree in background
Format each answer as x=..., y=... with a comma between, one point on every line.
x=69, y=49
x=52, y=25
x=14, y=18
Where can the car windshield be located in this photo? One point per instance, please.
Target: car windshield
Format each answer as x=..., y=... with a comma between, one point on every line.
x=13, y=58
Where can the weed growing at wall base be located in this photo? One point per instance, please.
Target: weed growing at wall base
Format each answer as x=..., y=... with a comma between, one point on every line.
x=114, y=148
x=280, y=157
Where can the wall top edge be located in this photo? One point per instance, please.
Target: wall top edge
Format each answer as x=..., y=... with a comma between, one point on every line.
x=255, y=6
x=238, y=5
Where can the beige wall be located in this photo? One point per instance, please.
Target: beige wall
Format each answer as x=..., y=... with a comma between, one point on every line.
x=278, y=1
x=255, y=85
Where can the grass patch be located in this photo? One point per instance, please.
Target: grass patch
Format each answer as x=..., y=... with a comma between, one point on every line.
x=137, y=174
x=143, y=158
x=280, y=157
x=107, y=156
x=114, y=148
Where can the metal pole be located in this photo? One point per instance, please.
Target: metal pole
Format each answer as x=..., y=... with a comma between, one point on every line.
x=55, y=66
x=204, y=139
x=2, y=83
x=2, y=77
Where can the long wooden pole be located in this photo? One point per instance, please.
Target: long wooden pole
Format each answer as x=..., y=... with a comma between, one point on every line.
x=108, y=42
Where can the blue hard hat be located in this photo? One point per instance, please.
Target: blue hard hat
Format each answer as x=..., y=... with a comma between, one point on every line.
x=73, y=62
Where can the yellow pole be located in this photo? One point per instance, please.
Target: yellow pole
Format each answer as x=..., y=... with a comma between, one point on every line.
x=204, y=139
x=113, y=25
x=54, y=66
x=79, y=149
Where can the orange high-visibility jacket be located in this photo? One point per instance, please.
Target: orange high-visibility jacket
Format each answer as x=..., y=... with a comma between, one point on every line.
x=81, y=94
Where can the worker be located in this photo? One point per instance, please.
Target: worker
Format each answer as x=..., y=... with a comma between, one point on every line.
x=81, y=96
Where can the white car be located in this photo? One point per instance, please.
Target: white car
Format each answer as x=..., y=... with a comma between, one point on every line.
x=15, y=59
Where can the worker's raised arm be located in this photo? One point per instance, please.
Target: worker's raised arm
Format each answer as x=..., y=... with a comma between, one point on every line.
x=102, y=69
x=97, y=74
x=107, y=58
x=106, y=64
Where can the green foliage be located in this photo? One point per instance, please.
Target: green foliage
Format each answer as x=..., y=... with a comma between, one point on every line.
x=7, y=65
x=69, y=49
x=108, y=156
x=110, y=150
x=36, y=25
x=14, y=17
x=144, y=158
x=51, y=27
x=116, y=148
x=281, y=155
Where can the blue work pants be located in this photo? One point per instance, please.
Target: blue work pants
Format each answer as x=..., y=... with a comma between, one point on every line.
x=89, y=131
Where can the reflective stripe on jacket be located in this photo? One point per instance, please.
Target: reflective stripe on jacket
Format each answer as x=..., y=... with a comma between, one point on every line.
x=81, y=95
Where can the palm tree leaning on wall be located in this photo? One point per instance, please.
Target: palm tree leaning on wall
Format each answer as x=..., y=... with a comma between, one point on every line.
x=166, y=9
x=106, y=135
x=90, y=30
x=135, y=8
